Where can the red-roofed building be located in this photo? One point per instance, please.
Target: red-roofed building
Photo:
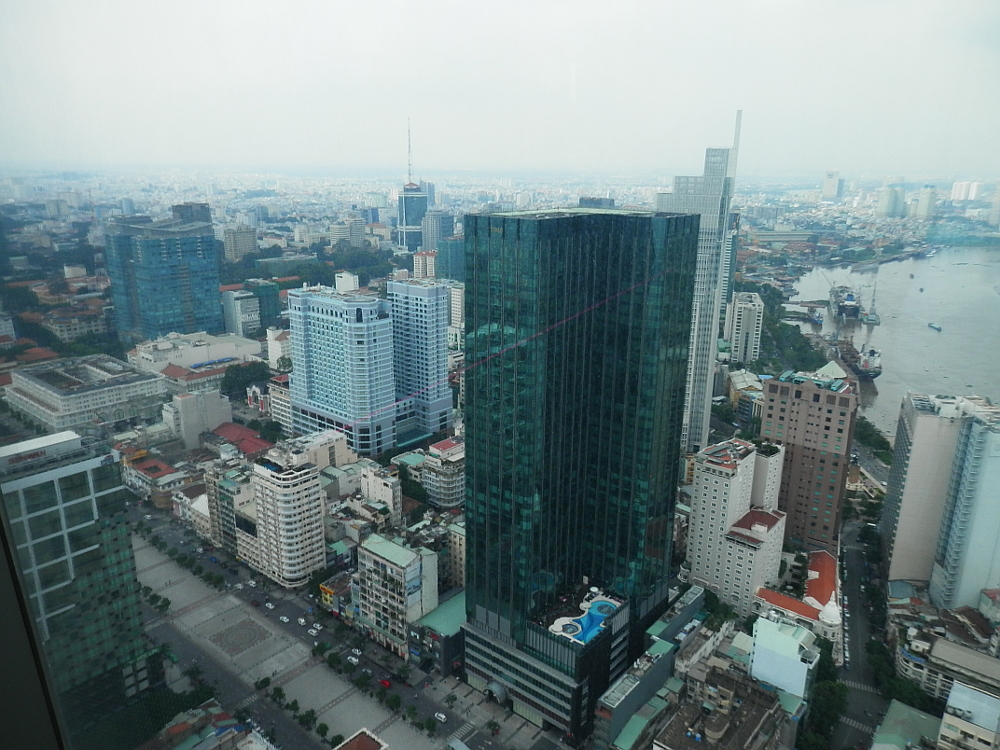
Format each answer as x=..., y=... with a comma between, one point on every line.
x=247, y=441
x=819, y=609
x=152, y=478
x=735, y=536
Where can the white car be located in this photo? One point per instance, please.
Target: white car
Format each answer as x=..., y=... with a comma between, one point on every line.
x=317, y=626
x=283, y=618
x=302, y=621
x=356, y=651
x=441, y=717
x=312, y=632
x=269, y=605
x=238, y=586
x=352, y=660
x=252, y=583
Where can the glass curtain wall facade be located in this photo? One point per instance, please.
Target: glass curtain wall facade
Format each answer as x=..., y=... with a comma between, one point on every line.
x=63, y=516
x=412, y=208
x=164, y=278
x=709, y=196
x=577, y=347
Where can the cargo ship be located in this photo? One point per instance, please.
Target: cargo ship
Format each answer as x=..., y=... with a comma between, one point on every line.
x=844, y=303
x=867, y=365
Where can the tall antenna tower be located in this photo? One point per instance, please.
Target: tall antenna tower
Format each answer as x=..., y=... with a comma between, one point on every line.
x=409, y=154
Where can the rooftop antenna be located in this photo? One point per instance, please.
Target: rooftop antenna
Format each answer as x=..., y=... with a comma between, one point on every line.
x=736, y=142
x=409, y=154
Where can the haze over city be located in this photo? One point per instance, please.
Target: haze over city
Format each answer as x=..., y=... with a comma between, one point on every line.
x=872, y=89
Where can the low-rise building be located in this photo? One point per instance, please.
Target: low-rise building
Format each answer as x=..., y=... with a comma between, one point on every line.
x=740, y=716
x=77, y=320
x=904, y=728
x=971, y=719
x=393, y=587
x=437, y=641
x=784, y=655
x=193, y=350
x=189, y=415
x=85, y=392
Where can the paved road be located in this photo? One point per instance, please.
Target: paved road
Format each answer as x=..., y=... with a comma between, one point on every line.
x=864, y=703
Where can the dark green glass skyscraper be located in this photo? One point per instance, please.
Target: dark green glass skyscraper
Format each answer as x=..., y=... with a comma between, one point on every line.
x=578, y=323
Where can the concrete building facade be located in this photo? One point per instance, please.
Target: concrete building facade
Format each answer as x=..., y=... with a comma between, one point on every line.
x=812, y=416
x=744, y=323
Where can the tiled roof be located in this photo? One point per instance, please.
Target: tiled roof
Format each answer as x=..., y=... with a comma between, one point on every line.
x=762, y=517
x=234, y=432
x=154, y=468
x=788, y=603
x=821, y=586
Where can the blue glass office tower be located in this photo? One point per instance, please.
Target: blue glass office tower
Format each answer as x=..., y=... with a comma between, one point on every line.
x=578, y=326
x=164, y=277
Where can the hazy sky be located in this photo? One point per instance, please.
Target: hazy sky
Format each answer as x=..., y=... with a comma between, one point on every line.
x=870, y=87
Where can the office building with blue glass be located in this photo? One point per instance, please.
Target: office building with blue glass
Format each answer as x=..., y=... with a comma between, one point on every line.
x=578, y=326
x=164, y=277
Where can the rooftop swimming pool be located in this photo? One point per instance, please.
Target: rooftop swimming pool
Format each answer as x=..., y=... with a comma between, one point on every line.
x=582, y=629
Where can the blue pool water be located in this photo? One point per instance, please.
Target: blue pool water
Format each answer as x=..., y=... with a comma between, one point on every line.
x=586, y=627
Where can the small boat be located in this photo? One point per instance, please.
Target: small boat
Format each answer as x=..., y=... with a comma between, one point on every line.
x=911, y=275
x=934, y=326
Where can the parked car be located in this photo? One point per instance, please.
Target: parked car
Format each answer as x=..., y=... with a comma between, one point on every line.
x=385, y=683
x=312, y=632
x=441, y=717
x=367, y=671
x=302, y=621
x=269, y=605
x=352, y=660
x=252, y=583
x=356, y=651
x=283, y=619
x=213, y=559
x=317, y=626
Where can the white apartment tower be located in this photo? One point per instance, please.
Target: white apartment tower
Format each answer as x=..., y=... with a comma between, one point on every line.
x=420, y=333
x=425, y=264
x=744, y=321
x=708, y=195
x=342, y=366
x=286, y=518
x=967, y=555
x=735, y=537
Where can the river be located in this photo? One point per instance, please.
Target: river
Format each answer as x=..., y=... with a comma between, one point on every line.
x=957, y=289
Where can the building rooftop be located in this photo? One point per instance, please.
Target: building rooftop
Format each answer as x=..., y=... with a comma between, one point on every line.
x=363, y=739
x=447, y=617
x=387, y=550
x=71, y=377
x=975, y=706
x=837, y=385
x=964, y=658
x=725, y=454
x=822, y=582
x=903, y=728
x=788, y=603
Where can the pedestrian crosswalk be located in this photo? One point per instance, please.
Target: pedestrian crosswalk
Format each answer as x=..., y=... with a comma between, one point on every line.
x=248, y=701
x=856, y=725
x=860, y=686
x=464, y=731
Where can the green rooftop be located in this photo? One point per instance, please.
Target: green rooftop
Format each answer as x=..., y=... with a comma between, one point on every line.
x=903, y=725
x=629, y=735
x=447, y=618
x=394, y=553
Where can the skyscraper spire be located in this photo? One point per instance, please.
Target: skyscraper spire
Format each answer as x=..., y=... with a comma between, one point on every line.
x=409, y=154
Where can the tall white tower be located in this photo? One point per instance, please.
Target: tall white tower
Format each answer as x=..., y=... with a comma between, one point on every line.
x=709, y=196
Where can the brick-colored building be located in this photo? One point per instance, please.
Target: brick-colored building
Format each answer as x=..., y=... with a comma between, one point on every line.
x=812, y=415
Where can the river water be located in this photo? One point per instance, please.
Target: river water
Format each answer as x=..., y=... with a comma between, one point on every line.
x=957, y=289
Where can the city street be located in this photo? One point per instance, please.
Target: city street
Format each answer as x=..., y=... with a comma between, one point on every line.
x=865, y=705
x=236, y=643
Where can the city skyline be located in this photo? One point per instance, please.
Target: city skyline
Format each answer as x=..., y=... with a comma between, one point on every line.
x=893, y=88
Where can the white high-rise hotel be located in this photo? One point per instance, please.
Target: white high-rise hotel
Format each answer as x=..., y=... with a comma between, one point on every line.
x=420, y=309
x=736, y=533
x=342, y=357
